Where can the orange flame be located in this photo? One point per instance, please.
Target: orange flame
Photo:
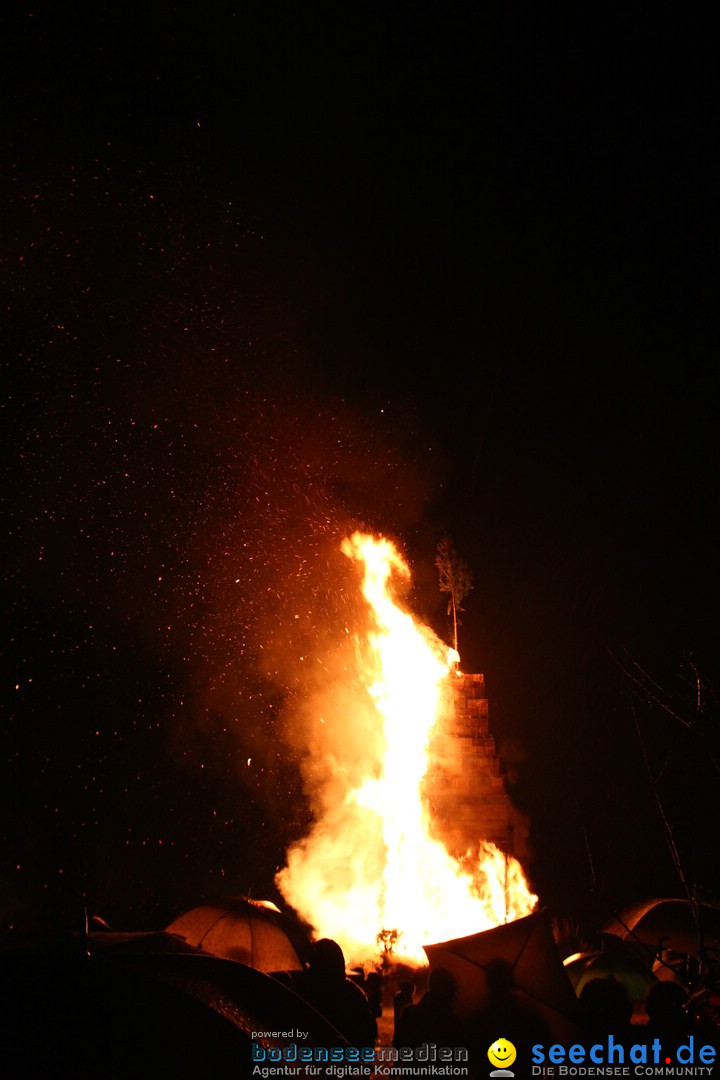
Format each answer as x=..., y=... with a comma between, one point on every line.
x=370, y=863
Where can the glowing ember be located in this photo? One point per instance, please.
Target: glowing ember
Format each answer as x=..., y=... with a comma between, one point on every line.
x=370, y=864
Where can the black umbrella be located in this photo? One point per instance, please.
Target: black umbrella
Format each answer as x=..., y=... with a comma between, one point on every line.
x=673, y=925
x=528, y=947
x=255, y=1002
x=66, y=1014
x=129, y=1011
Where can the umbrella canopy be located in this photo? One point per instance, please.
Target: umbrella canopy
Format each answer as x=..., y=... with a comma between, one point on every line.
x=246, y=931
x=67, y=1014
x=614, y=962
x=261, y=1006
x=130, y=1011
x=669, y=925
x=134, y=942
x=528, y=947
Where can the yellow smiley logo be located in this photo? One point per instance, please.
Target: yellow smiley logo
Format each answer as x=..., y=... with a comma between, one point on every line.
x=502, y=1053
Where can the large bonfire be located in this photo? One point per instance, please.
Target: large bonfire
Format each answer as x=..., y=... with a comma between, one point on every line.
x=371, y=870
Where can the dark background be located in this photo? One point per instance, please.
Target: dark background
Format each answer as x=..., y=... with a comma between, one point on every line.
x=272, y=271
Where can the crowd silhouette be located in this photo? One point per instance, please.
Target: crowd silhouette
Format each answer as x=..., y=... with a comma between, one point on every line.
x=604, y=1008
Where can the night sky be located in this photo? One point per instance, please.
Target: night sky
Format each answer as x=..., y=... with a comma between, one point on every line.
x=274, y=271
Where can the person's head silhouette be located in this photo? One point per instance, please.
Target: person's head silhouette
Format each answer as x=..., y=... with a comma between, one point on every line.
x=327, y=961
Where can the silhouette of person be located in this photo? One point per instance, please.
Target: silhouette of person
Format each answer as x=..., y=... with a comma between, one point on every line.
x=606, y=1009
x=325, y=985
x=503, y=1016
x=403, y=998
x=433, y=1019
x=666, y=1005
x=373, y=991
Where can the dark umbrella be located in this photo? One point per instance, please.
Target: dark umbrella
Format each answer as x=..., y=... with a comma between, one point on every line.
x=528, y=947
x=66, y=1014
x=673, y=925
x=133, y=942
x=264, y=1008
x=128, y=1011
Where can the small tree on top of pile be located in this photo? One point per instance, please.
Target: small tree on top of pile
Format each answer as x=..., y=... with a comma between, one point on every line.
x=455, y=579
